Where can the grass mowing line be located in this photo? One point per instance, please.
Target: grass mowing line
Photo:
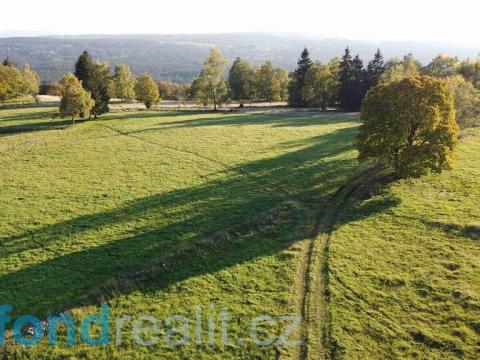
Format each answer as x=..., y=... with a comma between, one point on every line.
x=266, y=186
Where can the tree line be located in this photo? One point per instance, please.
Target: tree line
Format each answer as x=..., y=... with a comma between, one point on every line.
x=342, y=83
x=244, y=83
x=411, y=114
x=88, y=90
x=94, y=87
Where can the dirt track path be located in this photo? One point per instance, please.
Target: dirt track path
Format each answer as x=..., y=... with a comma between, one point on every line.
x=312, y=280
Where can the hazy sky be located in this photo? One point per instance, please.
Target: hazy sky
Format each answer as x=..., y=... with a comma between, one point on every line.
x=455, y=21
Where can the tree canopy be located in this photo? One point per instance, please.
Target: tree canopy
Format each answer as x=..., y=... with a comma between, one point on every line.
x=398, y=69
x=297, y=82
x=470, y=70
x=210, y=87
x=173, y=91
x=123, y=83
x=99, y=85
x=442, y=66
x=8, y=62
x=74, y=99
x=271, y=82
x=409, y=125
x=321, y=85
x=11, y=83
x=31, y=82
x=352, y=82
x=84, y=68
x=241, y=80
x=375, y=69
x=146, y=90
x=96, y=79
x=467, y=101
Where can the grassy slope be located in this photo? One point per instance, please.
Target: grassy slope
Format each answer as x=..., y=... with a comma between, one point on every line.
x=406, y=268
x=403, y=266
x=84, y=205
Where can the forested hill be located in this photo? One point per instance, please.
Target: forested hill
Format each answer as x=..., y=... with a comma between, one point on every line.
x=179, y=57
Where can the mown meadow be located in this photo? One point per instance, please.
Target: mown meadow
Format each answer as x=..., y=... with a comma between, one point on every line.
x=158, y=213
x=212, y=206
x=404, y=280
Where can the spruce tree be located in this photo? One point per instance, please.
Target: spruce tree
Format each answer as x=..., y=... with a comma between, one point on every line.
x=96, y=79
x=346, y=81
x=297, y=83
x=352, y=82
x=358, y=85
x=8, y=62
x=99, y=85
x=375, y=69
x=83, y=68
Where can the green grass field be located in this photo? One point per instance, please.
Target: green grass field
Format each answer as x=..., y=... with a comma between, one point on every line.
x=405, y=280
x=156, y=213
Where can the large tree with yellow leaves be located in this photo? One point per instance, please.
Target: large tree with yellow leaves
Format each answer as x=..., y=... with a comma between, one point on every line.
x=410, y=126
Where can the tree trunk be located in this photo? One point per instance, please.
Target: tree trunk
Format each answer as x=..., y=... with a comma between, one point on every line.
x=214, y=94
x=397, y=162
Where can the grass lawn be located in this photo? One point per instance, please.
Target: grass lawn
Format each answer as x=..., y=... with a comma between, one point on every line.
x=405, y=267
x=224, y=201
x=158, y=213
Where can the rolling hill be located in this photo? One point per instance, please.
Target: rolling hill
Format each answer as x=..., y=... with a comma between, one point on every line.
x=179, y=57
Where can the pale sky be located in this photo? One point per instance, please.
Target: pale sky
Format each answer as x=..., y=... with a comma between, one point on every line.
x=411, y=20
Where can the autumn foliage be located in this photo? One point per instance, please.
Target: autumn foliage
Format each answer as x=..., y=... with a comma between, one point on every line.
x=410, y=126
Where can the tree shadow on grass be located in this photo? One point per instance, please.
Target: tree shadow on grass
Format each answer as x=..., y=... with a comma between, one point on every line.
x=48, y=120
x=28, y=116
x=175, y=230
x=201, y=119
x=239, y=119
x=204, y=119
x=35, y=126
x=148, y=114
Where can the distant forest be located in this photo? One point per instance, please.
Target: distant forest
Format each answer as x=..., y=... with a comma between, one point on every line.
x=179, y=58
